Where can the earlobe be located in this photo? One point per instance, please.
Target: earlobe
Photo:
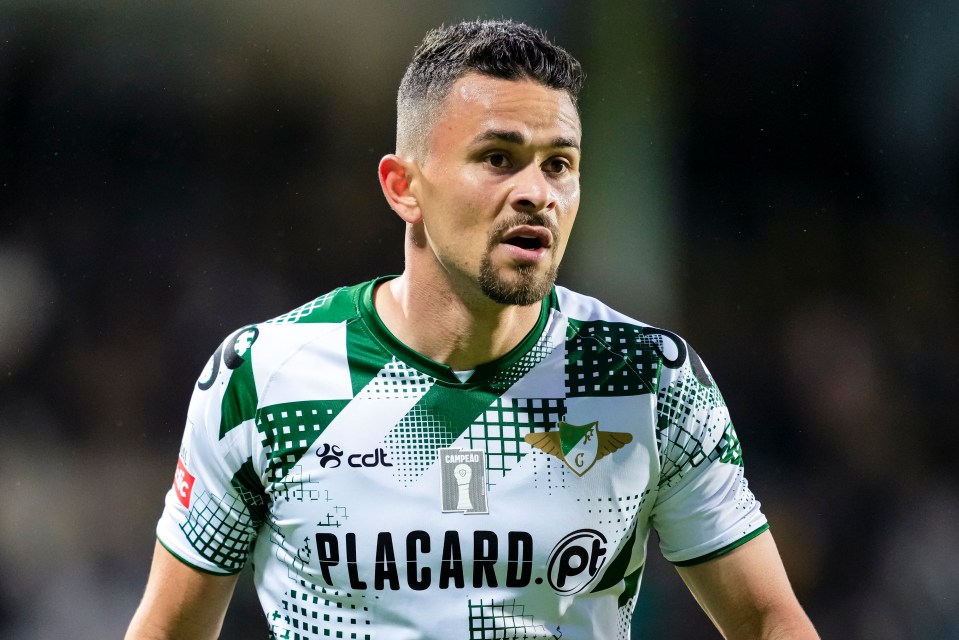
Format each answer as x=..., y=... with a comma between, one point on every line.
x=396, y=175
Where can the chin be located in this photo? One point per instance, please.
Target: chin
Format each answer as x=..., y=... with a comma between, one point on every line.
x=525, y=288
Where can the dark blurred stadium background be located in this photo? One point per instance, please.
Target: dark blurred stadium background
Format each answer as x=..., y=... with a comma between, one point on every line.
x=776, y=181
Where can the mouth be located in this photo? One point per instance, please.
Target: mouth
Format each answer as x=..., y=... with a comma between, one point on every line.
x=529, y=238
x=524, y=242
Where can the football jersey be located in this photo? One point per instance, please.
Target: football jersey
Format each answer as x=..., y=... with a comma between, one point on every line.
x=379, y=497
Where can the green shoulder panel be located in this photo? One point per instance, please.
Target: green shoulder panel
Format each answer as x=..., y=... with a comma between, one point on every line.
x=240, y=398
x=338, y=305
x=366, y=357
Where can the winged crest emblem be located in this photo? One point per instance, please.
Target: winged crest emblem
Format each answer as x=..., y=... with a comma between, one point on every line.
x=579, y=446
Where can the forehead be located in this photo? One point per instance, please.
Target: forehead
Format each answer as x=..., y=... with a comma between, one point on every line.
x=478, y=103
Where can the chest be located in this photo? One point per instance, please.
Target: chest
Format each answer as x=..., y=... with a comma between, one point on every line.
x=462, y=491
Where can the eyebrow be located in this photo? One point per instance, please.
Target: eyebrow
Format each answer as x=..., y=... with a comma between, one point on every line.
x=515, y=137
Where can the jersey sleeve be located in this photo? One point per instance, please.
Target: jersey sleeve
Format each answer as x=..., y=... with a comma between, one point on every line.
x=704, y=507
x=216, y=505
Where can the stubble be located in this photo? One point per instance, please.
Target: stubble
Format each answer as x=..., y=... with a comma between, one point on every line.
x=526, y=286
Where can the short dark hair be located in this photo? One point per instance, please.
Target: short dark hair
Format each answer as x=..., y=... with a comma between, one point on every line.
x=501, y=49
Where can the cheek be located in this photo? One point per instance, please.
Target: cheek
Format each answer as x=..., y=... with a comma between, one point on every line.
x=568, y=202
x=569, y=210
x=454, y=226
x=457, y=193
x=568, y=197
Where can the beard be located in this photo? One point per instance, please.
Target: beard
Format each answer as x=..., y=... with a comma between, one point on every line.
x=526, y=286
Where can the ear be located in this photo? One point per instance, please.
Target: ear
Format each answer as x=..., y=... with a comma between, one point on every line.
x=395, y=179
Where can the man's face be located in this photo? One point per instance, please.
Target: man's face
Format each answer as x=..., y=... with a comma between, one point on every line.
x=499, y=186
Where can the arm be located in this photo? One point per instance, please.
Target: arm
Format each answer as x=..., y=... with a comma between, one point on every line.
x=180, y=602
x=747, y=595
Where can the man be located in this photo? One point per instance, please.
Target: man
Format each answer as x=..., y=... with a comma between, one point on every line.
x=466, y=450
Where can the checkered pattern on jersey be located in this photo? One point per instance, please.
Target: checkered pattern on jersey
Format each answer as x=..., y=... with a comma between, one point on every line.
x=730, y=450
x=310, y=614
x=297, y=486
x=689, y=414
x=396, y=380
x=504, y=621
x=287, y=430
x=499, y=431
x=413, y=442
x=221, y=529
x=301, y=312
x=619, y=512
x=624, y=628
x=609, y=359
x=508, y=377
x=550, y=474
x=437, y=419
x=246, y=484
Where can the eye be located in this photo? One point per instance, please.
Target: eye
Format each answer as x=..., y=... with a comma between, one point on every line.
x=498, y=160
x=557, y=165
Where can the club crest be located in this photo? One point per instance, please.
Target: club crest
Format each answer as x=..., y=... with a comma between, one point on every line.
x=579, y=446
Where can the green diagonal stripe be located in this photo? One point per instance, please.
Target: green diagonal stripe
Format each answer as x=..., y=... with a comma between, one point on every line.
x=441, y=416
x=367, y=358
x=287, y=430
x=240, y=398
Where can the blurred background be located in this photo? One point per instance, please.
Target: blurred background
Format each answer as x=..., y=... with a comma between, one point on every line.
x=775, y=181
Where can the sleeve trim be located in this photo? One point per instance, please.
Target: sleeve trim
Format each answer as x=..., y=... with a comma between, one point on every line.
x=192, y=565
x=724, y=550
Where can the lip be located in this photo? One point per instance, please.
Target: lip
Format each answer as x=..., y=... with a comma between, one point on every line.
x=523, y=254
x=544, y=235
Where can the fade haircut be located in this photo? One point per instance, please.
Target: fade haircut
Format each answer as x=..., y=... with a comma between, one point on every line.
x=500, y=49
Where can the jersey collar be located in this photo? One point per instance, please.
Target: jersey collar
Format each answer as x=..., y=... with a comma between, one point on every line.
x=438, y=370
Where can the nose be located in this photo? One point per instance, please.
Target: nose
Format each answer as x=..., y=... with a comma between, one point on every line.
x=532, y=191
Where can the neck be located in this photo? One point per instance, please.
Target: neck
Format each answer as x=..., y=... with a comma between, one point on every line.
x=448, y=328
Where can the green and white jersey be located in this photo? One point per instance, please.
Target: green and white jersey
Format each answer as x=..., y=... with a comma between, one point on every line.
x=379, y=497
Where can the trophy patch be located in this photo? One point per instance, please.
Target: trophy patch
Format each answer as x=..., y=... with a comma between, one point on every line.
x=463, y=480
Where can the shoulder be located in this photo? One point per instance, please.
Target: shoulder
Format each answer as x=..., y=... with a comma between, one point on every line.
x=339, y=305
x=582, y=308
x=323, y=315
x=263, y=346
x=588, y=317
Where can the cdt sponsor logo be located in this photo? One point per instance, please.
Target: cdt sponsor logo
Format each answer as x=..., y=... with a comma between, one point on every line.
x=575, y=561
x=331, y=456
